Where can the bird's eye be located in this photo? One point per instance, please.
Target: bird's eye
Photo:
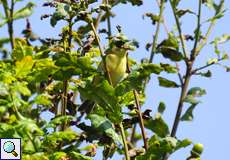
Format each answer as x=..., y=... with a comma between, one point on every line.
x=119, y=44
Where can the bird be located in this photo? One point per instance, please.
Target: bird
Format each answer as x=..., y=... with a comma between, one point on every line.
x=115, y=63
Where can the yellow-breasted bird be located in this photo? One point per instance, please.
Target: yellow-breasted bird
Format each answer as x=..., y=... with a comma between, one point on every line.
x=116, y=64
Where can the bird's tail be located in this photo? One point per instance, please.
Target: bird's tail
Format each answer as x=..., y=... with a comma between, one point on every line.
x=87, y=106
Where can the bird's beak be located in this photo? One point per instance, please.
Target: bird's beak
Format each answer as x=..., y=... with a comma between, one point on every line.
x=128, y=46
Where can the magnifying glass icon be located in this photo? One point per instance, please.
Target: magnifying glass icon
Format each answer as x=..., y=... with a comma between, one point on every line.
x=9, y=147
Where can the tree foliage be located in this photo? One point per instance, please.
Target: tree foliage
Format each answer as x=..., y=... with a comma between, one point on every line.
x=54, y=75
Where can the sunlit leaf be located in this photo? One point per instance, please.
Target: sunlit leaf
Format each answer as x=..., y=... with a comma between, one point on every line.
x=24, y=66
x=24, y=12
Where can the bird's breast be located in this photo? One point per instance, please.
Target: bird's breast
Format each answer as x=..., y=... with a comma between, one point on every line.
x=116, y=66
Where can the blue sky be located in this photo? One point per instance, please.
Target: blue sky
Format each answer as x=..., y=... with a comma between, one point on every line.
x=210, y=125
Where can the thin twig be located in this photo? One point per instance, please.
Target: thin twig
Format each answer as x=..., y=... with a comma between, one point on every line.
x=132, y=137
x=65, y=82
x=211, y=26
x=206, y=66
x=9, y=14
x=179, y=29
x=108, y=22
x=10, y=24
x=101, y=52
x=141, y=121
x=197, y=35
x=154, y=45
x=124, y=141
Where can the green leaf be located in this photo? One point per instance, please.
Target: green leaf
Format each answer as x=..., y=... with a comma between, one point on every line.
x=35, y=156
x=182, y=12
x=167, y=83
x=78, y=156
x=153, y=17
x=59, y=120
x=58, y=156
x=212, y=61
x=170, y=53
x=43, y=99
x=21, y=49
x=28, y=127
x=157, y=125
x=182, y=144
x=3, y=89
x=24, y=12
x=191, y=99
x=161, y=107
x=59, y=14
x=21, y=87
x=219, y=10
x=103, y=125
x=188, y=115
x=169, y=68
x=52, y=141
x=207, y=74
x=158, y=147
x=24, y=66
x=196, y=92
x=136, y=78
x=169, y=48
x=104, y=95
x=133, y=2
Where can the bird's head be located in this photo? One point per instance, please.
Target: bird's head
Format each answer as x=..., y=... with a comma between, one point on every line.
x=120, y=44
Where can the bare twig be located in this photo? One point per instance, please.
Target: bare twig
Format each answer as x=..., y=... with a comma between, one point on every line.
x=154, y=45
x=141, y=121
x=124, y=141
x=65, y=82
x=179, y=29
x=206, y=66
x=108, y=22
x=197, y=34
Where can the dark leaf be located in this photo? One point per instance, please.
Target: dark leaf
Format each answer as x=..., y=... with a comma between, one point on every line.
x=167, y=83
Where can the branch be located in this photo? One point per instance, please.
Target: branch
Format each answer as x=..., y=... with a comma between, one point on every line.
x=206, y=66
x=197, y=35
